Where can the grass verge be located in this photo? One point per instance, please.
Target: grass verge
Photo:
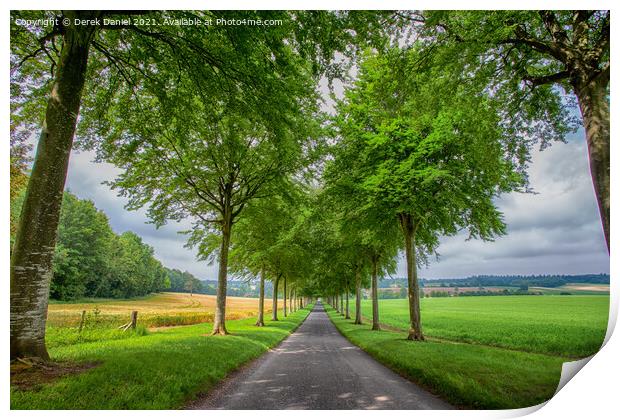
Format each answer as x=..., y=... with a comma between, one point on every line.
x=157, y=370
x=466, y=375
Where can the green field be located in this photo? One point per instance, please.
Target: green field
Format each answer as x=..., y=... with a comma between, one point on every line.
x=154, y=370
x=570, y=326
x=485, y=352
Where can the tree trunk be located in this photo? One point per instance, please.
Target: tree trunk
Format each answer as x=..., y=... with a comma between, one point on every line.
x=260, y=322
x=219, y=324
x=375, y=297
x=285, y=297
x=35, y=241
x=336, y=303
x=595, y=113
x=358, y=297
x=347, y=315
x=342, y=303
x=274, y=306
x=409, y=228
x=291, y=309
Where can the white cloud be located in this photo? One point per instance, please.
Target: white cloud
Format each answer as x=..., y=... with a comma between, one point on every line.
x=85, y=179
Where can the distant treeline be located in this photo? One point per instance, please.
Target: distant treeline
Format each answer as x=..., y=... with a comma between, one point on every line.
x=187, y=283
x=91, y=260
x=544, y=280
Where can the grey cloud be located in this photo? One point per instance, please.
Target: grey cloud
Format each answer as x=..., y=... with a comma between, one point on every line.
x=556, y=230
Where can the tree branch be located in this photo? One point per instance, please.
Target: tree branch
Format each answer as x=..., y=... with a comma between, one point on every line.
x=547, y=79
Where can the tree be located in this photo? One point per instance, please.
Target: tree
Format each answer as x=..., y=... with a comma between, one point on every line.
x=83, y=250
x=33, y=251
x=431, y=155
x=258, y=242
x=531, y=59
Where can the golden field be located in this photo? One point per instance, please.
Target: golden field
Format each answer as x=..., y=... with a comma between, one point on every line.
x=157, y=310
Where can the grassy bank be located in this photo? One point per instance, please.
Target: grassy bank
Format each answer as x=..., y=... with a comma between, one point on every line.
x=466, y=375
x=154, y=370
x=569, y=326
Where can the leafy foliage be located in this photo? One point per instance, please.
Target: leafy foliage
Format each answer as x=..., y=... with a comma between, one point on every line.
x=90, y=260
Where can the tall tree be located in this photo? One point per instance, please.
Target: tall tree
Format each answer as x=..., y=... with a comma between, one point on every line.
x=431, y=155
x=531, y=60
x=33, y=251
x=83, y=250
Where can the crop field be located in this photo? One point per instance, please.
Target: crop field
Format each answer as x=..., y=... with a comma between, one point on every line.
x=574, y=289
x=158, y=310
x=568, y=326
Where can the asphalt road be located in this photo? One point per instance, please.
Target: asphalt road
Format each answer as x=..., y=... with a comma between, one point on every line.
x=317, y=368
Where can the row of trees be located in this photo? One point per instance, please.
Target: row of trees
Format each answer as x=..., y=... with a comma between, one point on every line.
x=90, y=260
x=429, y=135
x=222, y=125
x=201, y=119
x=184, y=281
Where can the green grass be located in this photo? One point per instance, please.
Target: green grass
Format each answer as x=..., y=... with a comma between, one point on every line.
x=568, y=326
x=156, y=370
x=466, y=375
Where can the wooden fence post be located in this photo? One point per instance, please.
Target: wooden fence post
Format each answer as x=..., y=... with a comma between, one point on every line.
x=82, y=320
x=131, y=324
x=134, y=319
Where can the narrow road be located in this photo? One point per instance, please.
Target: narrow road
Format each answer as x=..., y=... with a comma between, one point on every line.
x=317, y=368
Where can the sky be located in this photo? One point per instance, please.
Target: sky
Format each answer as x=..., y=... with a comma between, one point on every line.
x=556, y=230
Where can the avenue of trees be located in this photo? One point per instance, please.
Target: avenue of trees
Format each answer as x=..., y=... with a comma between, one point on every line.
x=224, y=126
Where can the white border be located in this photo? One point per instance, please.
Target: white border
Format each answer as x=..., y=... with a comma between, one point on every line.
x=592, y=393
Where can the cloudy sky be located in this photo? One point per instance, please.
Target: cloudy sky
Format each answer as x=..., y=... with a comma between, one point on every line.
x=556, y=230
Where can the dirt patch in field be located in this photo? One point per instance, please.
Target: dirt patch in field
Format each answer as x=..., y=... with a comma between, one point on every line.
x=591, y=288
x=31, y=375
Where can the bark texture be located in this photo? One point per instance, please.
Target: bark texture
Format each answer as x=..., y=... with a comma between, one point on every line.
x=347, y=314
x=375, y=297
x=274, y=305
x=409, y=228
x=285, y=297
x=33, y=250
x=260, y=321
x=583, y=50
x=594, y=107
x=219, y=323
x=358, y=297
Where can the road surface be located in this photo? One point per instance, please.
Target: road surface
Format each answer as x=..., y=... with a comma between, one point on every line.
x=317, y=368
